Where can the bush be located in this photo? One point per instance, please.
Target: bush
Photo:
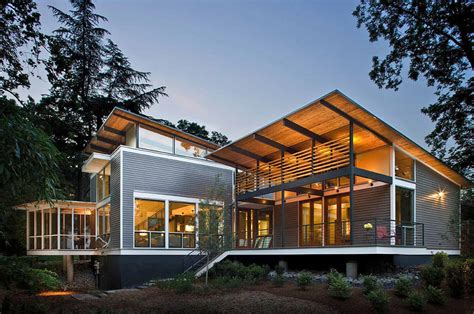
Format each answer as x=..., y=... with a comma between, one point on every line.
x=279, y=269
x=370, y=283
x=227, y=282
x=304, y=279
x=181, y=284
x=434, y=295
x=37, y=280
x=278, y=281
x=251, y=273
x=432, y=276
x=415, y=301
x=440, y=260
x=256, y=272
x=469, y=267
x=379, y=300
x=338, y=286
x=334, y=276
x=455, y=279
x=403, y=286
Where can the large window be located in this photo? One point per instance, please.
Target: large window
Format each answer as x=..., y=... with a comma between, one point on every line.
x=404, y=205
x=155, y=141
x=181, y=225
x=404, y=166
x=103, y=223
x=103, y=183
x=149, y=223
x=187, y=149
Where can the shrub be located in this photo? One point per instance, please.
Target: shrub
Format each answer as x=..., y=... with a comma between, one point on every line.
x=434, y=295
x=379, y=300
x=279, y=269
x=37, y=280
x=304, y=279
x=440, y=260
x=370, y=283
x=469, y=267
x=455, y=279
x=251, y=273
x=432, y=276
x=403, y=286
x=339, y=287
x=415, y=301
x=181, y=284
x=334, y=276
x=227, y=282
x=256, y=272
x=278, y=281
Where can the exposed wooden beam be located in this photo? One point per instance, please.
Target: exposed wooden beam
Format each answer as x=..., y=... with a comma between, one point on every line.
x=297, y=183
x=349, y=118
x=108, y=140
x=304, y=131
x=261, y=201
x=114, y=131
x=305, y=190
x=249, y=154
x=99, y=148
x=270, y=142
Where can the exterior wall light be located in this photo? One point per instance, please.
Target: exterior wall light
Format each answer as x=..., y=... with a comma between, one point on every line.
x=440, y=194
x=371, y=183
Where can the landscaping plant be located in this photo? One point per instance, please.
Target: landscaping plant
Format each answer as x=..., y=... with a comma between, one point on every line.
x=304, y=280
x=455, y=279
x=370, y=283
x=403, y=286
x=379, y=300
x=469, y=267
x=435, y=295
x=278, y=281
x=416, y=301
x=440, y=260
x=334, y=275
x=182, y=283
x=338, y=286
x=432, y=276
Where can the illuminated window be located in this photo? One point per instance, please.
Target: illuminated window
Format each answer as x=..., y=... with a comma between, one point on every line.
x=149, y=223
x=404, y=166
x=181, y=225
x=103, y=183
x=187, y=149
x=155, y=141
x=103, y=223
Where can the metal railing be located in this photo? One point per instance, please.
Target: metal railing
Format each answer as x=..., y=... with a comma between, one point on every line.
x=331, y=155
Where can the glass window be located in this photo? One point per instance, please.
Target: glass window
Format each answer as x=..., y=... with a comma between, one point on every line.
x=38, y=222
x=149, y=223
x=187, y=149
x=31, y=219
x=103, y=183
x=404, y=205
x=181, y=226
x=211, y=219
x=103, y=223
x=404, y=166
x=265, y=222
x=155, y=141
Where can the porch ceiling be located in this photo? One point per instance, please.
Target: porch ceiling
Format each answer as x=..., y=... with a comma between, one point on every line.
x=323, y=121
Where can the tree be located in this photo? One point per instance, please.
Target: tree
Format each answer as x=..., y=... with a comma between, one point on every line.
x=219, y=138
x=436, y=38
x=193, y=128
x=29, y=167
x=20, y=43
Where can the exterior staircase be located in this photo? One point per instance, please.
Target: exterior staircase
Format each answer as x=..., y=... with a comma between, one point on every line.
x=206, y=258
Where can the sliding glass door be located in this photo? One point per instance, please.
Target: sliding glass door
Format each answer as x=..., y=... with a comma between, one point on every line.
x=311, y=223
x=337, y=214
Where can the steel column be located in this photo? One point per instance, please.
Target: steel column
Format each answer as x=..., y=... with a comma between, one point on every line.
x=351, y=176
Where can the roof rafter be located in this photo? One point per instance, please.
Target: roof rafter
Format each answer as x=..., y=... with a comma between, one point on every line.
x=108, y=140
x=304, y=131
x=249, y=154
x=270, y=142
x=114, y=131
x=99, y=148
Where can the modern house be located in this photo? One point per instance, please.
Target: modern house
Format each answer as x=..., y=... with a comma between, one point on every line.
x=328, y=180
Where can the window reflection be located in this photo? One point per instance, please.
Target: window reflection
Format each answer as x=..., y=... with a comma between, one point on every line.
x=404, y=166
x=155, y=141
x=149, y=223
x=187, y=149
x=181, y=225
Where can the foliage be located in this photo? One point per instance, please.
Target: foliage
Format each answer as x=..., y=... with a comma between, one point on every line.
x=279, y=269
x=278, y=280
x=403, y=286
x=370, y=283
x=455, y=278
x=334, y=276
x=41, y=279
x=234, y=269
x=436, y=38
x=20, y=43
x=434, y=295
x=304, y=280
x=182, y=283
x=228, y=282
x=469, y=267
x=432, y=276
x=339, y=288
x=416, y=301
x=379, y=299
x=440, y=260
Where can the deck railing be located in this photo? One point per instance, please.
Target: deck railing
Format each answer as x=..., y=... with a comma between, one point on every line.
x=321, y=158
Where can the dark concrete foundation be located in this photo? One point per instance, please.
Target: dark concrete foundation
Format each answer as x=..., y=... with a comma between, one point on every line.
x=124, y=271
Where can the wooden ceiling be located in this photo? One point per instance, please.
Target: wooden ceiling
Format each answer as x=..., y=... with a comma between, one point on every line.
x=331, y=124
x=112, y=133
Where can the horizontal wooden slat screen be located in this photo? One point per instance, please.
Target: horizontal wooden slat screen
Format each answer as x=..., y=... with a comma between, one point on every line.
x=321, y=158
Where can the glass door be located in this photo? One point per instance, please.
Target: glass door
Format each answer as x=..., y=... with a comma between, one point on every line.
x=311, y=219
x=405, y=229
x=244, y=226
x=338, y=227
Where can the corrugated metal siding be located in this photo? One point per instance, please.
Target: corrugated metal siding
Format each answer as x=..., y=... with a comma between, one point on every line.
x=370, y=204
x=154, y=174
x=115, y=202
x=433, y=212
x=92, y=189
x=291, y=225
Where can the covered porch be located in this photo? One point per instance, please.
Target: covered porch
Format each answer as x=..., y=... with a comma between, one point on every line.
x=322, y=176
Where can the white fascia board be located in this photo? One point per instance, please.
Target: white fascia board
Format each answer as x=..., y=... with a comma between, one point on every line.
x=95, y=162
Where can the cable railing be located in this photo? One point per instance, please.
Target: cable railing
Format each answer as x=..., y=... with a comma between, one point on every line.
x=321, y=158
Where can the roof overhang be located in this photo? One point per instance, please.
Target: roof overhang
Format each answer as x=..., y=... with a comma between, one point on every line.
x=325, y=119
x=95, y=162
x=56, y=203
x=112, y=133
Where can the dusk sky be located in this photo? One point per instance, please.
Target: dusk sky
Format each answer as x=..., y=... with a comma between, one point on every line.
x=238, y=65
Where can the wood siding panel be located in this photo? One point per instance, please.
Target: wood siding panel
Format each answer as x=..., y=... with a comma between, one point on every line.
x=157, y=175
x=115, y=202
x=291, y=225
x=433, y=212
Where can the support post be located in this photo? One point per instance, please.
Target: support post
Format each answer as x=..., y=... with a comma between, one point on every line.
x=70, y=268
x=351, y=177
x=282, y=218
x=257, y=185
x=312, y=156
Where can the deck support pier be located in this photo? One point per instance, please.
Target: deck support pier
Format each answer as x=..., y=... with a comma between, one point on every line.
x=69, y=263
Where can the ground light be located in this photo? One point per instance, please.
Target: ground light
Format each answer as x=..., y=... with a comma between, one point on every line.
x=55, y=293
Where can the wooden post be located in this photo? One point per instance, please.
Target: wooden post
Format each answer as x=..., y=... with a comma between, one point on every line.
x=70, y=268
x=282, y=218
x=312, y=156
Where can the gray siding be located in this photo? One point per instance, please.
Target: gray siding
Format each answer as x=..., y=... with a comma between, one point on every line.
x=433, y=212
x=115, y=202
x=155, y=174
x=92, y=188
